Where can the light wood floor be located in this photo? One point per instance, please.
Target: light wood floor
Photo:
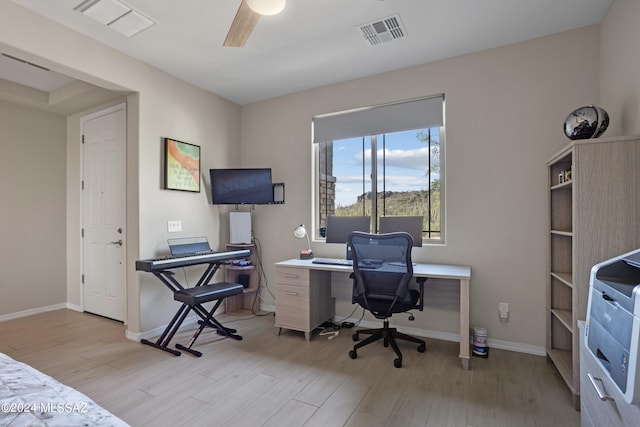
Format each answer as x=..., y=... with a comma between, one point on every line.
x=266, y=380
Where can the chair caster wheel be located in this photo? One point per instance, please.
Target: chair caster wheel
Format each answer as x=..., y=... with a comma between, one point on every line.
x=353, y=354
x=397, y=363
x=421, y=348
x=355, y=337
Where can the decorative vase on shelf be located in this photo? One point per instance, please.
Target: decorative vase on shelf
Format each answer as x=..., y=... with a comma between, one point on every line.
x=586, y=122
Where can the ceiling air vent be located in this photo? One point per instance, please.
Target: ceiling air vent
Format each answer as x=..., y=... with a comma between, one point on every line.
x=25, y=62
x=383, y=30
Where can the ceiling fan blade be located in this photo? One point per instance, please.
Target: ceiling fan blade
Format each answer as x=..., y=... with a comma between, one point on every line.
x=242, y=26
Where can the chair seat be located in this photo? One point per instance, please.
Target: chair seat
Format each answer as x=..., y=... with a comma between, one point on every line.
x=205, y=293
x=379, y=306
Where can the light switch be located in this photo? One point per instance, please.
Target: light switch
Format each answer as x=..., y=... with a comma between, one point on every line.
x=174, y=226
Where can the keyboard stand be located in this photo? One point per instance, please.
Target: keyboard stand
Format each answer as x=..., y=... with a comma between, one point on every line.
x=168, y=279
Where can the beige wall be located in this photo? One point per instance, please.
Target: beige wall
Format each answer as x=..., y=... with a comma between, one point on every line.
x=193, y=116
x=505, y=108
x=32, y=187
x=504, y=113
x=620, y=67
x=158, y=105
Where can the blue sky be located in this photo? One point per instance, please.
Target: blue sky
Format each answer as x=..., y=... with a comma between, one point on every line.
x=406, y=165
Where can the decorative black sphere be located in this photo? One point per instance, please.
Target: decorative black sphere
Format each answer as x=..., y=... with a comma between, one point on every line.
x=586, y=122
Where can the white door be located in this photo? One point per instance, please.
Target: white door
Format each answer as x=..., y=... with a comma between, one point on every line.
x=103, y=203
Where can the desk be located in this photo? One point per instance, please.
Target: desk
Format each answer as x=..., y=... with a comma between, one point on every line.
x=303, y=295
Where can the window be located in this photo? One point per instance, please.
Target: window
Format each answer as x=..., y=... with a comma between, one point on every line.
x=401, y=165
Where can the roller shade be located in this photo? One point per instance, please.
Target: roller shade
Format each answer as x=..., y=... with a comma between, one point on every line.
x=407, y=115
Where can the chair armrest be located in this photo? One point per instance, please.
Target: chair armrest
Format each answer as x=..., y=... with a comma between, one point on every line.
x=352, y=276
x=420, y=281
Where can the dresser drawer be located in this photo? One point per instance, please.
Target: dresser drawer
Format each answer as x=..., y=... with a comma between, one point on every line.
x=293, y=276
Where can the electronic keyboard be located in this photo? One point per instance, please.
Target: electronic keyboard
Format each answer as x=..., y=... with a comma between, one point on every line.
x=169, y=262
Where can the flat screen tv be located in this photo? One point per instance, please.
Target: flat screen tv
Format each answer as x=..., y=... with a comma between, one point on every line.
x=249, y=186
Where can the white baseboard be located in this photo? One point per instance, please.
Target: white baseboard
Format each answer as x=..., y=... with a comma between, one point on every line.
x=137, y=336
x=438, y=335
x=191, y=320
x=269, y=308
x=447, y=336
x=74, y=307
x=517, y=346
x=32, y=311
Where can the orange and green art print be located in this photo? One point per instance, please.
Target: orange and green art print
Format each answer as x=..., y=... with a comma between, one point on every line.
x=182, y=166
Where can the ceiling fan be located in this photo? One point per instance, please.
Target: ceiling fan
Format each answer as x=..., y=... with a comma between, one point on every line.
x=247, y=17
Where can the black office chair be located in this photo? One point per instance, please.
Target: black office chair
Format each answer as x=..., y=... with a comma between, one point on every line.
x=382, y=271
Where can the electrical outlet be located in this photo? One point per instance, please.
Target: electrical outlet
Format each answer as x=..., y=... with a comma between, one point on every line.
x=174, y=226
x=503, y=311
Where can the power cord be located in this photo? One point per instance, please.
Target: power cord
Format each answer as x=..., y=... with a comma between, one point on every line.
x=262, y=276
x=361, y=317
x=332, y=332
x=263, y=282
x=339, y=322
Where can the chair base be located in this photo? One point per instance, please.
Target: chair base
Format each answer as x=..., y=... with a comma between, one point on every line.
x=389, y=336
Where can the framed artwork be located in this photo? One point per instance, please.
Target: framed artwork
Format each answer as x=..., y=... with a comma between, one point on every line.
x=181, y=166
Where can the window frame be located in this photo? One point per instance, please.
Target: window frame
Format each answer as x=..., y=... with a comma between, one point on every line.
x=316, y=204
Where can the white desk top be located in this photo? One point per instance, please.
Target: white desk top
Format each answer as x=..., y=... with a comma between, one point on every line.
x=442, y=271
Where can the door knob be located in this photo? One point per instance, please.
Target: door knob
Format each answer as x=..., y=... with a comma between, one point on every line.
x=119, y=230
x=119, y=243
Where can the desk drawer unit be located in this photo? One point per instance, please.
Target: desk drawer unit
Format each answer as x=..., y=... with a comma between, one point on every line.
x=292, y=276
x=292, y=299
x=292, y=307
x=296, y=289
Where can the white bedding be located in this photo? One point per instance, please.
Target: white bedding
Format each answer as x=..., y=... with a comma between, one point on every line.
x=30, y=398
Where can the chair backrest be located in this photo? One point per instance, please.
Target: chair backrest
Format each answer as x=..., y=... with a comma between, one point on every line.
x=382, y=268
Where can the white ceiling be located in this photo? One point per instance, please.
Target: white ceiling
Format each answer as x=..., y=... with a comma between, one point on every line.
x=312, y=43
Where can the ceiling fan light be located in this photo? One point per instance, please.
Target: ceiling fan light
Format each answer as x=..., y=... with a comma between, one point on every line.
x=266, y=7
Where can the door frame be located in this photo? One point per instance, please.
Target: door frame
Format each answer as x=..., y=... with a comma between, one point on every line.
x=83, y=120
